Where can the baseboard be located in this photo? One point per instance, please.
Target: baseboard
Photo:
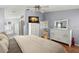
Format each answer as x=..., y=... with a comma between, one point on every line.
x=77, y=44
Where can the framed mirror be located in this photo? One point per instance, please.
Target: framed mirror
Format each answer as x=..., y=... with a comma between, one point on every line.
x=33, y=19
x=61, y=24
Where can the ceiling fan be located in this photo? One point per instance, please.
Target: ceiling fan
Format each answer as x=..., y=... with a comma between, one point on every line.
x=38, y=8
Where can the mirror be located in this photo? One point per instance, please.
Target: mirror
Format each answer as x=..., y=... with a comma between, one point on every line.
x=62, y=24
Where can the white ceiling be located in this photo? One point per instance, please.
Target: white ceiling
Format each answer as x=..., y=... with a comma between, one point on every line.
x=62, y=7
x=17, y=10
x=45, y=8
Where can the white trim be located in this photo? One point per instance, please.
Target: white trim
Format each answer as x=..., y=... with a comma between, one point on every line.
x=70, y=38
x=77, y=44
x=29, y=28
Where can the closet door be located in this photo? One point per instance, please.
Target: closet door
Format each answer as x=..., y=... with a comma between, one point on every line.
x=34, y=29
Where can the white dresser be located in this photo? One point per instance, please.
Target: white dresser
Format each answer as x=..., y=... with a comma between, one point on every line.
x=61, y=35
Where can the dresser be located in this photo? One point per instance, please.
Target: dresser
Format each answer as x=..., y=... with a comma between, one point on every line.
x=61, y=35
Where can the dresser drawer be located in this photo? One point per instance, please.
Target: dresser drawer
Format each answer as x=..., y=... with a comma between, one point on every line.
x=61, y=35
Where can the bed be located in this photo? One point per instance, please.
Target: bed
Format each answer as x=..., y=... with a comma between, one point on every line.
x=29, y=44
x=35, y=44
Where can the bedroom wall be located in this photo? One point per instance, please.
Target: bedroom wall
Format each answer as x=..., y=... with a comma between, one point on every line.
x=31, y=13
x=71, y=15
x=1, y=19
x=13, y=15
x=14, y=26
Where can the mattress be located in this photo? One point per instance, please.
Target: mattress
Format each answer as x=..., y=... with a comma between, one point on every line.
x=35, y=44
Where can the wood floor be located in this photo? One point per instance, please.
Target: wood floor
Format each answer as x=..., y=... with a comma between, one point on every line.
x=72, y=49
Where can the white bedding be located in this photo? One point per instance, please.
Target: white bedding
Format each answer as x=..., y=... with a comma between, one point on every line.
x=4, y=43
x=3, y=46
x=34, y=44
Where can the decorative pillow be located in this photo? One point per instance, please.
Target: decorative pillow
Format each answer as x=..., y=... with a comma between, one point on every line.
x=3, y=48
x=0, y=38
x=3, y=35
x=4, y=42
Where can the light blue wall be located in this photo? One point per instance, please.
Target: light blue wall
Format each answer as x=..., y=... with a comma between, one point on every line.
x=71, y=15
x=1, y=20
x=31, y=13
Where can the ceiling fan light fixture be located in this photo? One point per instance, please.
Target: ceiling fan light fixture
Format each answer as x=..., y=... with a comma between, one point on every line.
x=28, y=9
x=37, y=7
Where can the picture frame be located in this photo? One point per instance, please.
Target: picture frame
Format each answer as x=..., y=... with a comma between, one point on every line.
x=33, y=19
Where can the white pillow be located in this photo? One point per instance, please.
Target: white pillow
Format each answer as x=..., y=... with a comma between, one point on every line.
x=3, y=47
x=4, y=43
x=2, y=35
